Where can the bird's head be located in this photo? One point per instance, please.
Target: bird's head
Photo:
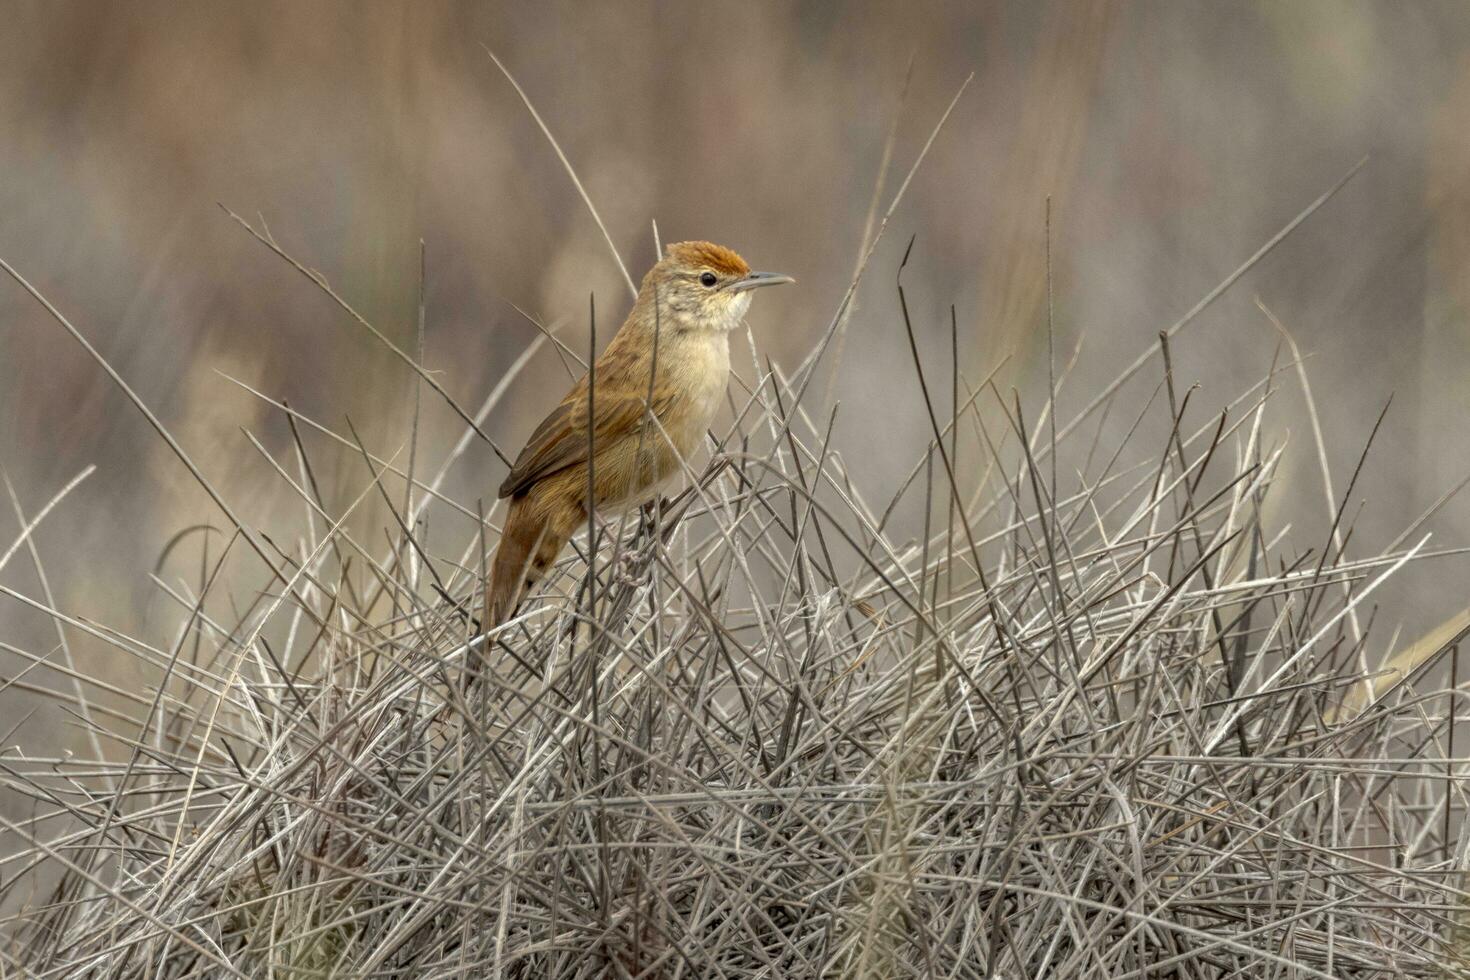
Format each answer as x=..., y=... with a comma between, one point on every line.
x=702, y=286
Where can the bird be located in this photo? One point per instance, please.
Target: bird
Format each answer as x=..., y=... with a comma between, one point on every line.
x=669, y=362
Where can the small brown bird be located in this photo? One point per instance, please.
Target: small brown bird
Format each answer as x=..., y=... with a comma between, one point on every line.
x=692, y=299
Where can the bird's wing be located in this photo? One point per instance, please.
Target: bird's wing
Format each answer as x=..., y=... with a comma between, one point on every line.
x=561, y=438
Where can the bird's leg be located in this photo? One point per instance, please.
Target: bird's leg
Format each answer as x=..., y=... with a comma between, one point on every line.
x=648, y=517
x=647, y=521
x=644, y=535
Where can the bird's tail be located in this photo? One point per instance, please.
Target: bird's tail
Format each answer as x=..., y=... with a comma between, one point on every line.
x=533, y=536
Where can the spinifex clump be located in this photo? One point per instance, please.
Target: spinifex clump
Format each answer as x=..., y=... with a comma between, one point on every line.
x=1089, y=715
x=768, y=736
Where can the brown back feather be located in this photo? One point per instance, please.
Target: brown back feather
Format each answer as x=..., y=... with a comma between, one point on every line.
x=560, y=440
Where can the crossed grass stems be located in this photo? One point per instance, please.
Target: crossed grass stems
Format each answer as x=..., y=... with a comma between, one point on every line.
x=1096, y=719
x=767, y=738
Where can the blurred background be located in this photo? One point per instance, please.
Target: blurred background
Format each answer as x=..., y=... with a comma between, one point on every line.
x=1173, y=138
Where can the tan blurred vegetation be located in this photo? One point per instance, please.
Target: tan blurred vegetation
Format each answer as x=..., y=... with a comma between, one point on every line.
x=1172, y=137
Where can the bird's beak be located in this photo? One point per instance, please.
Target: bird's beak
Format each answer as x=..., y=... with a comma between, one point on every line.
x=756, y=279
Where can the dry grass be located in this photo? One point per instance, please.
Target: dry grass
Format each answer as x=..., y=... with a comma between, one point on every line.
x=1087, y=722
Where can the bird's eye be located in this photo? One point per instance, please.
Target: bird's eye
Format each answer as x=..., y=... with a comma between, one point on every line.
x=708, y=280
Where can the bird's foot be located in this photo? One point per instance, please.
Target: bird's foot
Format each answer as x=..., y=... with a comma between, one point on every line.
x=631, y=569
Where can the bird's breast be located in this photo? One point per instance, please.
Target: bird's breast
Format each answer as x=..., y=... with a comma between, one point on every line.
x=699, y=372
x=692, y=375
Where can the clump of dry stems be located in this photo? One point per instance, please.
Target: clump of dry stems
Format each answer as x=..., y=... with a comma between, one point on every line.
x=1089, y=716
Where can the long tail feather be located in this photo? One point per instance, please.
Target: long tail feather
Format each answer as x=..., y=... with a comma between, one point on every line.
x=533, y=536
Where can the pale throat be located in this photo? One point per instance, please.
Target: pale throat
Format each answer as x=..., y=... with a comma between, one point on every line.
x=718, y=318
x=737, y=310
